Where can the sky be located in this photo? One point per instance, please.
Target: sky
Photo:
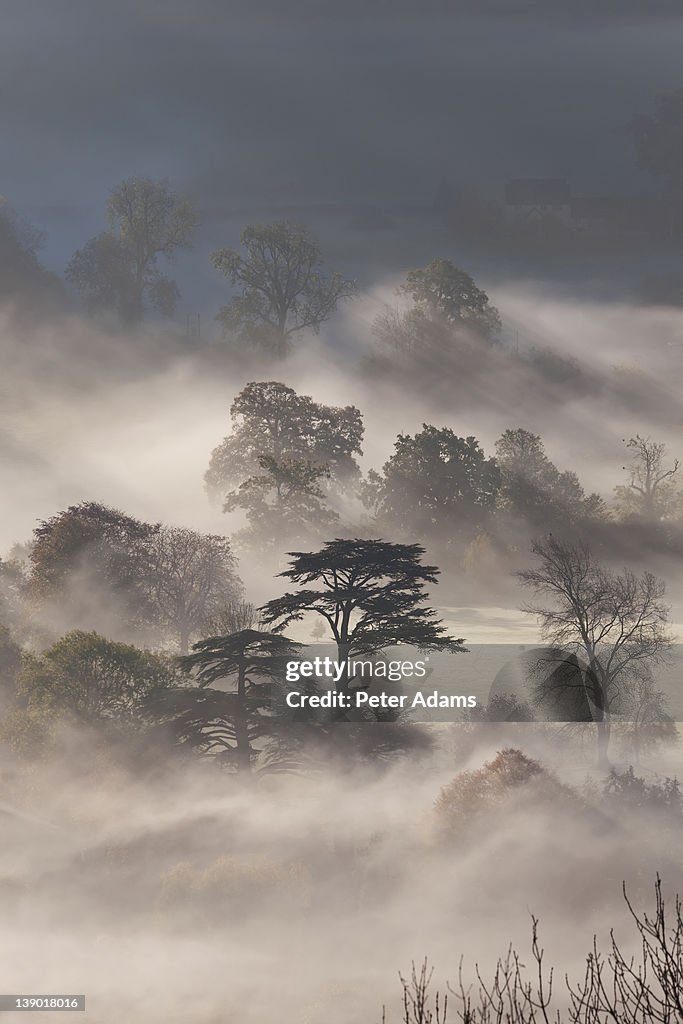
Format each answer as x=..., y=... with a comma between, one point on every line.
x=253, y=104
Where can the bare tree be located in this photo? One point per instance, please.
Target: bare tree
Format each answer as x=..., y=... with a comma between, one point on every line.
x=616, y=987
x=618, y=623
x=191, y=578
x=232, y=616
x=651, y=491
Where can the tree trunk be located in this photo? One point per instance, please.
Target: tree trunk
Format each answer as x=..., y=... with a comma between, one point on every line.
x=603, y=736
x=343, y=651
x=600, y=713
x=242, y=725
x=184, y=639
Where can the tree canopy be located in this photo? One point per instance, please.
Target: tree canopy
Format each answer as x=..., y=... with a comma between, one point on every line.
x=371, y=593
x=534, y=488
x=118, y=270
x=90, y=678
x=282, y=289
x=442, y=290
x=271, y=421
x=228, y=724
x=435, y=485
x=98, y=565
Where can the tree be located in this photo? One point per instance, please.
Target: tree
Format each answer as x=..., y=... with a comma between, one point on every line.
x=443, y=291
x=284, y=503
x=191, y=577
x=646, y=722
x=228, y=724
x=22, y=276
x=651, y=491
x=119, y=269
x=270, y=420
x=436, y=485
x=282, y=290
x=102, y=272
x=90, y=678
x=10, y=663
x=617, y=623
x=233, y=616
x=94, y=565
x=371, y=593
x=614, y=984
x=445, y=326
x=88, y=553
x=13, y=591
x=533, y=488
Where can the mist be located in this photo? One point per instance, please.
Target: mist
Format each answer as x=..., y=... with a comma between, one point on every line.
x=348, y=330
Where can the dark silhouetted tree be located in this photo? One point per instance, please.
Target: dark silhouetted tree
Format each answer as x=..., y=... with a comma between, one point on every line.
x=228, y=723
x=371, y=593
x=282, y=290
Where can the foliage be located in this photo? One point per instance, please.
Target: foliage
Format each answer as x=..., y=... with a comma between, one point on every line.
x=89, y=678
x=371, y=594
x=442, y=290
x=282, y=288
x=532, y=487
x=511, y=779
x=227, y=725
x=435, y=485
x=118, y=269
x=284, y=503
x=10, y=661
x=191, y=577
x=100, y=548
x=13, y=592
x=627, y=790
x=166, y=579
x=23, y=275
x=102, y=272
x=270, y=420
x=444, y=326
x=232, y=616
